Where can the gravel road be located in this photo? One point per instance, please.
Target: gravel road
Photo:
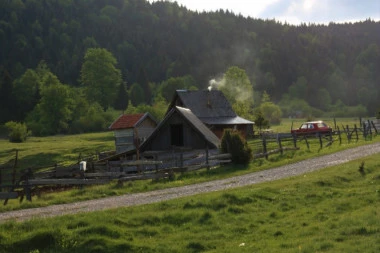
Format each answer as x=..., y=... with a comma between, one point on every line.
x=294, y=169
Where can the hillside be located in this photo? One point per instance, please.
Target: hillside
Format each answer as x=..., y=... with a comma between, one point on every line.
x=337, y=63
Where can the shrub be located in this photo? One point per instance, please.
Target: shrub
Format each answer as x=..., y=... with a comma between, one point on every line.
x=18, y=132
x=234, y=143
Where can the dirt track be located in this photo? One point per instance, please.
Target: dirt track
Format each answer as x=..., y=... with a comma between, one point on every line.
x=298, y=168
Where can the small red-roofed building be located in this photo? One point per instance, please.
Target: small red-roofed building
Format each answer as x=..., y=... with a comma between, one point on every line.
x=131, y=130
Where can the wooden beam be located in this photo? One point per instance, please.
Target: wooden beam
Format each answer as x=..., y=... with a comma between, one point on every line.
x=8, y=195
x=67, y=181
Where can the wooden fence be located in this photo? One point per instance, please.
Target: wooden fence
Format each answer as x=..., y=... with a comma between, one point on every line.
x=154, y=165
x=269, y=143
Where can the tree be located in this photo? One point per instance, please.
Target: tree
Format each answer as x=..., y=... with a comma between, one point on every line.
x=53, y=113
x=6, y=102
x=26, y=92
x=299, y=88
x=236, y=86
x=233, y=143
x=136, y=93
x=168, y=87
x=100, y=76
x=18, y=132
x=142, y=80
x=122, y=99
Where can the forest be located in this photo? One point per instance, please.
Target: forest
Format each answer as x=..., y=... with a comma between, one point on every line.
x=66, y=64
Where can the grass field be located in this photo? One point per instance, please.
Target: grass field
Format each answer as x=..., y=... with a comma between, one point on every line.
x=332, y=210
x=66, y=150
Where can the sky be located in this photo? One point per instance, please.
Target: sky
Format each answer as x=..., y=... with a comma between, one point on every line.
x=293, y=11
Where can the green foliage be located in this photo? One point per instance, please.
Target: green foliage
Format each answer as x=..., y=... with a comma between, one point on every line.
x=18, y=132
x=142, y=80
x=271, y=112
x=234, y=144
x=100, y=75
x=122, y=99
x=236, y=86
x=53, y=113
x=260, y=121
x=95, y=119
x=167, y=88
x=136, y=93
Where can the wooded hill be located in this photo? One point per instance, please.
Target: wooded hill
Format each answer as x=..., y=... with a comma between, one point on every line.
x=337, y=63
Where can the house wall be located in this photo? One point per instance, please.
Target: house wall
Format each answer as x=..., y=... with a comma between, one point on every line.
x=124, y=140
x=124, y=137
x=162, y=139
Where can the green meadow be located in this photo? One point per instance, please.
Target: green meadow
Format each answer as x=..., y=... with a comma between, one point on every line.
x=66, y=149
x=333, y=210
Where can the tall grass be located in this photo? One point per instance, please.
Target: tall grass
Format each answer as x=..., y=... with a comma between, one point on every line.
x=332, y=210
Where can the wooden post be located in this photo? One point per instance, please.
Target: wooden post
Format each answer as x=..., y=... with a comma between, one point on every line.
x=265, y=147
x=207, y=158
x=295, y=140
x=370, y=128
x=156, y=159
x=280, y=144
x=14, y=169
x=320, y=140
x=340, y=137
x=27, y=188
x=348, y=134
x=356, y=133
x=307, y=143
x=374, y=127
x=334, y=123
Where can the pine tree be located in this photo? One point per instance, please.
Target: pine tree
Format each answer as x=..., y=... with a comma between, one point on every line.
x=142, y=80
x=122, y=99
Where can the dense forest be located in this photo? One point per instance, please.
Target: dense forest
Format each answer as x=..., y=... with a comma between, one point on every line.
x=150, y=46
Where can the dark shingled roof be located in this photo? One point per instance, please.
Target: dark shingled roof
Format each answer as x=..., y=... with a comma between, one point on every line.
x=211, y=107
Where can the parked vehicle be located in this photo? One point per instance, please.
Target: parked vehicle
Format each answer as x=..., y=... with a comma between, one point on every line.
x=312, y=128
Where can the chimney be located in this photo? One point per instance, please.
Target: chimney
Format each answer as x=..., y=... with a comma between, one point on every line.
x=208, y=97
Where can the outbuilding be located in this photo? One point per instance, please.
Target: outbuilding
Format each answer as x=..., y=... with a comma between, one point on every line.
x=132, y=130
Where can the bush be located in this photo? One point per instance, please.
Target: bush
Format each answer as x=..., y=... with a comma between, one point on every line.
x=233, y=143
x=18, y=132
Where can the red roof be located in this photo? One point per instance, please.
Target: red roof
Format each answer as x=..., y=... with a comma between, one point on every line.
x=126, y=121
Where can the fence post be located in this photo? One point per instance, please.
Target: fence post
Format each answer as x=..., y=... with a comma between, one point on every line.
x=348, y=133
x=374, y=127
x=370, y=129
x=340, y=137
x=320, y=140
x=307, y=143
x=356, y=133
x=265, y=147
x=207, y=155
x=279, y=144
x=295, y=140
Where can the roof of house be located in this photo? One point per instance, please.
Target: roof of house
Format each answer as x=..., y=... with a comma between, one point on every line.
x=211, y=107
x=129, y=121
x=197, y=125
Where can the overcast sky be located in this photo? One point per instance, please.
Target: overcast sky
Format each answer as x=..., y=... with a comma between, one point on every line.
x=293, y=11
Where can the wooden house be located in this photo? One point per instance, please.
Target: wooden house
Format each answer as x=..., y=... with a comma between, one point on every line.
x=180, y=129
x=131, y=130
x=213, y=109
